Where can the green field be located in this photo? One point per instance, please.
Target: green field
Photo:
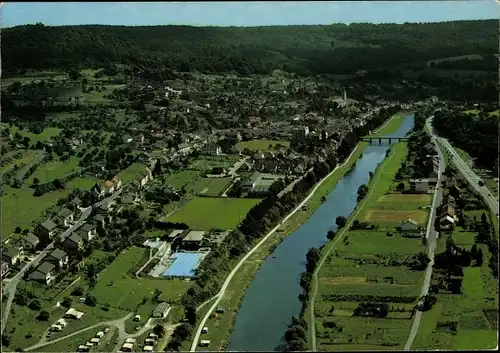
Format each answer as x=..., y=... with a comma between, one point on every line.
x=132, y=172
x=211, y=186
x=54, y=169
x=20, y=207
x=262, y=145
x=119, y=289
x=213, y=213
x=368, y=263
x=34, y=138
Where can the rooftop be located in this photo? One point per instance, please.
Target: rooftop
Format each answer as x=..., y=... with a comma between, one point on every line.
x=194, y=235
x=49, y=224
x=45, y=267
x=161, y=308
x=58, y=254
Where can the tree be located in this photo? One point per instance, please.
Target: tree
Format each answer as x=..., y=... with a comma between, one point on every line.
x=159, y=330
x=479, y=257
x=341, y=221
x=35, y=305
x=5, y=340
x=330, y=234
x=190, y=312
x=43, y=316
x=78, y=291
x=400, y=187
x=67, y=302
x=90, y=301
x=36, y=181
x=17, y=230
x=73, y=74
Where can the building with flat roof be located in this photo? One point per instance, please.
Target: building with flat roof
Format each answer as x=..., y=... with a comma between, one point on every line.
x=193, y=240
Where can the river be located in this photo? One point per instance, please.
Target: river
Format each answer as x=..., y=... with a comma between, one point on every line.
x=272, y=297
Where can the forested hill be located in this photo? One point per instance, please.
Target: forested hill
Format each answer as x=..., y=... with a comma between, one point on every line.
x=334, y=48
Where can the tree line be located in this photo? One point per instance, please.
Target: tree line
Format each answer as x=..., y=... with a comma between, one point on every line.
x=304, y=50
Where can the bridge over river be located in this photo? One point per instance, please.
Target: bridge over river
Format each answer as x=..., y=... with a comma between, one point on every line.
x=383, y=138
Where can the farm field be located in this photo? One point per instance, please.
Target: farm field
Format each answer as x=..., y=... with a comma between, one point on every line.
x=213, y=213
x=369, y=263
x=262, y=145
x=55, y=169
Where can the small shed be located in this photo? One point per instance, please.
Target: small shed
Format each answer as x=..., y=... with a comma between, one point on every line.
x=161, y=310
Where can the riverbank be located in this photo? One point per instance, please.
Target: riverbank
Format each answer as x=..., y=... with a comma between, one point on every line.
x=220, y=329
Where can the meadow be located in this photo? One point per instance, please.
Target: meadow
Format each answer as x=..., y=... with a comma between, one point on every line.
x=206, y=213
x=55, y=169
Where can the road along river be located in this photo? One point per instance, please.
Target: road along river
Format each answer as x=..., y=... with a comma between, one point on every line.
x=272, y=297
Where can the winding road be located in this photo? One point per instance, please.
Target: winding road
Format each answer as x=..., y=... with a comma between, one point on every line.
x=220, y=295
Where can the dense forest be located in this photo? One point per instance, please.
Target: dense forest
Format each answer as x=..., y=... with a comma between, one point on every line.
x=336, y=49
x=478, y=135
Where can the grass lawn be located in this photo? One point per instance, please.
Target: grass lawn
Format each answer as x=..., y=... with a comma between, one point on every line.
x=186, y=178
x=54, y=169
x=81, y=183
x=20, y=207
x=47, y=133
x=391, y=127
x=394, y=217
x=403, y=201
x=262, y=144
x=213, y=213
x=116, y=287
x=211, y=186
x=132, y=172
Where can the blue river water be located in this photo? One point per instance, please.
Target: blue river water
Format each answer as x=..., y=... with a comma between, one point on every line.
x=272, y=297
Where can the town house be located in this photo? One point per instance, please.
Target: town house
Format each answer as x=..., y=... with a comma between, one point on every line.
x=73, y=243
x=12, y=255
x=64, y=217
x=87, y=231
x=46, y=231
x=57, y=257
x=28, y=242
x=44, y=273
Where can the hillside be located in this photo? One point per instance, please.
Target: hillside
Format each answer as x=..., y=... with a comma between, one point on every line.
x=334, y=48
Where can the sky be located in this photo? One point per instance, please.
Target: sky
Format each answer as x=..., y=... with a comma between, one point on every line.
x=244, y=13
